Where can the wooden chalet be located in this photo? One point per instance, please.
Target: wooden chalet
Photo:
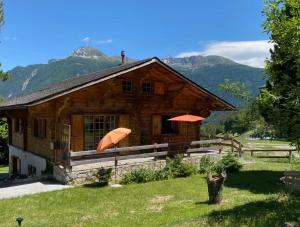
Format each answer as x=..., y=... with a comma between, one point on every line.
x=73, y=115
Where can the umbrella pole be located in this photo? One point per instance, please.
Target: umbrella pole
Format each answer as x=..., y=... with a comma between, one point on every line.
x=115, y=164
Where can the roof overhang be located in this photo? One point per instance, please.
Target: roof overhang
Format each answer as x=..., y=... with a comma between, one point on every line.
x=113, y=75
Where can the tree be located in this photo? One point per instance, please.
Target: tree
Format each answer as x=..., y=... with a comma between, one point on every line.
x=279, y=102
x=3, y=124
x=3, y=76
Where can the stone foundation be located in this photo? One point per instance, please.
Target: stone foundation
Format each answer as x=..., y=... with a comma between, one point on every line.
x=84, y=174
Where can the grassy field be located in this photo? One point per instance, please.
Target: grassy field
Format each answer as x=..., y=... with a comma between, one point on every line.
x=3, y=169
x=252, y=197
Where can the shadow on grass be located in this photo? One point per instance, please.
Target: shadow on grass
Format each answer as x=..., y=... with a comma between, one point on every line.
x=256, y=181
x=260, y=213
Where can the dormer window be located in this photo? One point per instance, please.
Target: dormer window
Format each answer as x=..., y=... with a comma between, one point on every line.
x=127, y=86
x=147, y=87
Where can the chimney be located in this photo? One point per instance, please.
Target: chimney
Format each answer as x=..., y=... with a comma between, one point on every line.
x=123, y=57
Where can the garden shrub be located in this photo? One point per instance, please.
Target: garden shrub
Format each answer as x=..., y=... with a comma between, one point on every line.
x=177, y=167
x=206, y=164
x=103, y=176
x=230, y=163
x=174, y=168
x=141, y=175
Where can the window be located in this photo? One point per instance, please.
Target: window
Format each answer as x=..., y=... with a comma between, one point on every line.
x=147, y=87
x=18, y=125
x=40, y=128
x=95, y=127
x=127, y=86
x=168, y=127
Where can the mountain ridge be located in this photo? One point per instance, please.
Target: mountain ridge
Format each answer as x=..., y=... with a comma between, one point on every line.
x=207, y=71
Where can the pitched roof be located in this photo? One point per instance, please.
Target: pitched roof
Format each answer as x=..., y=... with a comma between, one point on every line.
x=73, y=84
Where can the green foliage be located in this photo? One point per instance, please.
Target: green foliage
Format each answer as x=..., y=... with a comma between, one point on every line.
x=174, y=168
x=296, y=163
x=279, y=102
x=228, y=163
x=142, y=175
x=178, y=167
x=103, y=176
x=236, y=88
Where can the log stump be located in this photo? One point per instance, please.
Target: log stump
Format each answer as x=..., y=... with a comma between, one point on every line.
x=215, y=188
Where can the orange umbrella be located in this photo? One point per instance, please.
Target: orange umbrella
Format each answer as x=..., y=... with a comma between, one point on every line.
x=187, y=118
x=112, y=138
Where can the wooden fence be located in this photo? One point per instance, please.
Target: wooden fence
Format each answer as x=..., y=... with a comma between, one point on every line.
x=287, y=151
x=147, y=151
x=291, y=180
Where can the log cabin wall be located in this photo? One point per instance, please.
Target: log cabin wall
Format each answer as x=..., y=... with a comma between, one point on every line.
x=134, y=109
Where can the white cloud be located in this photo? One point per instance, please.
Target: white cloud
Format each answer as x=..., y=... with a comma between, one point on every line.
x=86, y=39
x=107, y=41
x=251, y=53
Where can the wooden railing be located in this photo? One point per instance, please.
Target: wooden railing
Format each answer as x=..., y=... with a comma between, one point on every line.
x=145, y=151
x=289, y=153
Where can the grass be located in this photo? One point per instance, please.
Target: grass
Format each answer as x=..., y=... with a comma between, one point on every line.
x=3, y=169
x=251, y=198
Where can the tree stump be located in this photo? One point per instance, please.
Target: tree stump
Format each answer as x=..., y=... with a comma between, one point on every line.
x=215, y=188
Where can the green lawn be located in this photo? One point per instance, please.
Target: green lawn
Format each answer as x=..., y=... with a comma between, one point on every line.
x=3, y=169
x=252, y=197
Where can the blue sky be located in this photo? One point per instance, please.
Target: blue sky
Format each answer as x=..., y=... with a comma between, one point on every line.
x=36, y=31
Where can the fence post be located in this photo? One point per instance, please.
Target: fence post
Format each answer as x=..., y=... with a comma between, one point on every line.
x=290, y=156
x=251, y=153
x=232, y=145
x=155, y=150
x=240, y=150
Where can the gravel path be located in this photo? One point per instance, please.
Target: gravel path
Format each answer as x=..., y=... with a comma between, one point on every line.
x=30, y=188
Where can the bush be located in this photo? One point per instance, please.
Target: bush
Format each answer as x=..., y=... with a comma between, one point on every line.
x=206, y=164
x=141, y=175
x=103, y=176
x=230, y=163
x=177, y=167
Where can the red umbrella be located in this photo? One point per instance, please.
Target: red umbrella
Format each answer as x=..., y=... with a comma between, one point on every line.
x=187, y=118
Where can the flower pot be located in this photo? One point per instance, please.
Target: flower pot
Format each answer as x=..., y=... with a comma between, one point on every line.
x=215, y=188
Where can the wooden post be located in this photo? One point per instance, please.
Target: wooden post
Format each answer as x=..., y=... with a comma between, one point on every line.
x=251, y=153
x=290, y=156
x=155, y=150
x=232, y=145
x=240, y=150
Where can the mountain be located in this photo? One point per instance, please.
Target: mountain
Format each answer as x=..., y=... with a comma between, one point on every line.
x=208, y=71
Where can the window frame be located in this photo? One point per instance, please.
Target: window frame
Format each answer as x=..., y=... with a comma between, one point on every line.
x=18, y=125
x=126, y=83
x=40, y=128
x=97, y=130
x=150, y=88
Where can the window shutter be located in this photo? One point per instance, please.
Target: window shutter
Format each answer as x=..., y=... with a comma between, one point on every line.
x=159, y=88
x=124, y=123
x=156, y=125
x=77, y=132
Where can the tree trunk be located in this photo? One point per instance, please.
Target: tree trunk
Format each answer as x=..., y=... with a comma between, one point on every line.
x=215, y=188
